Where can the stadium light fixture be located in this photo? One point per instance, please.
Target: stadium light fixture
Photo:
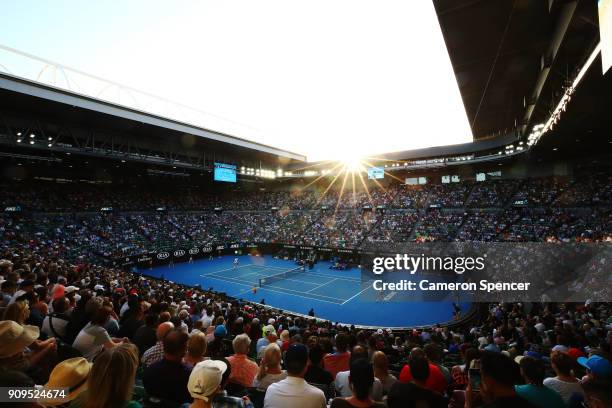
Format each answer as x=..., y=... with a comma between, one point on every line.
x=18, y=133
x=567, y=95
x=31, y=142
x=18, y=140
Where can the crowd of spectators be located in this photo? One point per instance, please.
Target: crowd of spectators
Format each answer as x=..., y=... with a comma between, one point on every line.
x=595, y=190
x=114, y=338
x=116, y=234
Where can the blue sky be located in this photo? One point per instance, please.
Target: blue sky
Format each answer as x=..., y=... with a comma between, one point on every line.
x=330, y=79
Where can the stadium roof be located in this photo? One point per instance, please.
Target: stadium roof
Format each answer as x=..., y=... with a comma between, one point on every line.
x=53, y=108
x=500, y=51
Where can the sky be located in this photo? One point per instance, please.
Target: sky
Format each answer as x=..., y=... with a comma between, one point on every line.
x=328, y=79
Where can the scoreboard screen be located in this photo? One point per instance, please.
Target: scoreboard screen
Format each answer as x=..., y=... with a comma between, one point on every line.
x=225, y=172
x=376, y=173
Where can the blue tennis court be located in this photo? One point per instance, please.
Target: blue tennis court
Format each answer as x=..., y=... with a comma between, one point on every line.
x=337, y=295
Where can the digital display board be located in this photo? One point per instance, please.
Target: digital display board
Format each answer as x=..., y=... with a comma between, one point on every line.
x=225, y=172
x=376, y=173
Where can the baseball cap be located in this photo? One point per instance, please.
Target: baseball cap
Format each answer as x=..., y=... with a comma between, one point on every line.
x=220, y=331
x=269, y=329
x=297, y=352
x=597, y=364
x=205, y=379
x=25, y=283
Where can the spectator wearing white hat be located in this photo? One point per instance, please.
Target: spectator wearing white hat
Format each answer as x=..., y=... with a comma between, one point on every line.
x=206, y=383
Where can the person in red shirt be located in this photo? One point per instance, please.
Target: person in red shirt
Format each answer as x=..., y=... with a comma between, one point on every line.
x=435, y=381
x=338, y=361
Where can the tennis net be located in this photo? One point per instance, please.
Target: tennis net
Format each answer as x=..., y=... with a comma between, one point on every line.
x=268, y=280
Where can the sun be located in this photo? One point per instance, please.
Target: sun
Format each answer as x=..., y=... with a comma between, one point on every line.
x=352, y=163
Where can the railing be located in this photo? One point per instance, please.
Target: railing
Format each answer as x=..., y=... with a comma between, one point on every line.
x=30, y=67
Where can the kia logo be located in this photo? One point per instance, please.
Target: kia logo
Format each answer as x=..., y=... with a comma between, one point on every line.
x=163, y=255
x=179, y=253
x=194, y=251
x=207, y=249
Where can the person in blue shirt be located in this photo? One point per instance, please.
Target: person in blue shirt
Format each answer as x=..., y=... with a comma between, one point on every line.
x=534, y=391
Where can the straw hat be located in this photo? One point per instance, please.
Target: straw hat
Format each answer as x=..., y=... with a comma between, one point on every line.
x=15, y=337
x=72, y=374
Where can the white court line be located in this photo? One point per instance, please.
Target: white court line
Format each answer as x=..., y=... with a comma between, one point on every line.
x=235, y=277
x=260, y=277
x=312, y=273
x=288, y=269
x=358, y=293
x=323, y=275
x=335, y=277
x=228, y=269
x=304, y=297
x=292, y=280
x=283, y=292
x=320, y=286
x=228, y=279
x=293, y=293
